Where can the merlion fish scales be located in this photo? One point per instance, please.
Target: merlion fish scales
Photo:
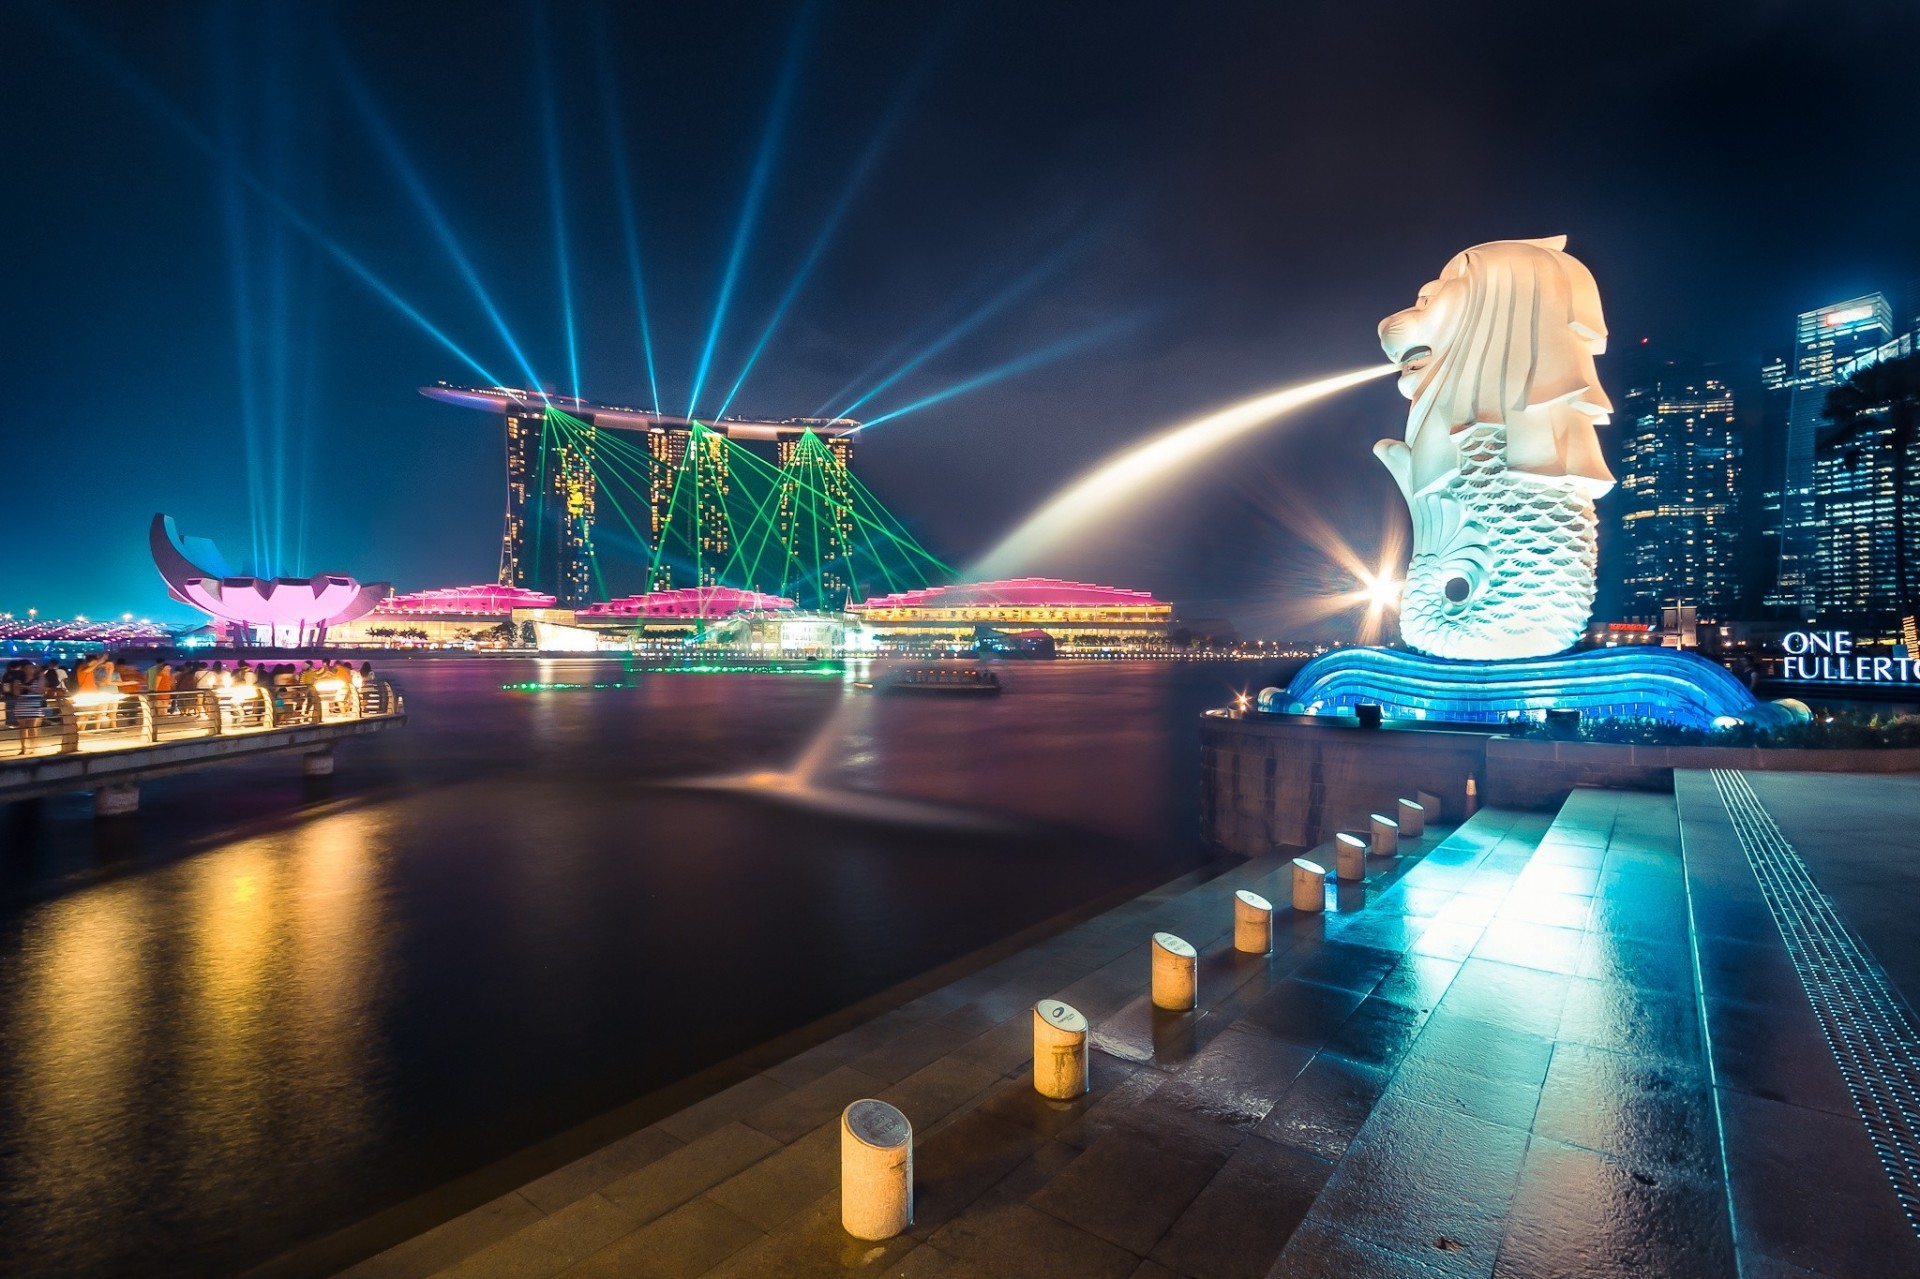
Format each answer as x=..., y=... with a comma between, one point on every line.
x=1501, y=464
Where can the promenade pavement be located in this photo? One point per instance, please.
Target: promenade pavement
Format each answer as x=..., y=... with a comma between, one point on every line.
x=1531, y=1046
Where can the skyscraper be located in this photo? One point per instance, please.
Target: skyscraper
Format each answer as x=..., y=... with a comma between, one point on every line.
x=1856, y=486
x=547, y=542
x=819, y=568
x=1678, y=503
x=687, y=497
x=1824, y=340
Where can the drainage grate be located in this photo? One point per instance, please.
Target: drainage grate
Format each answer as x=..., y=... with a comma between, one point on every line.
x=1872, y=1034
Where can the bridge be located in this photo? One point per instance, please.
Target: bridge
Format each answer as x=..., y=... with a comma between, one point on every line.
x=109, y=742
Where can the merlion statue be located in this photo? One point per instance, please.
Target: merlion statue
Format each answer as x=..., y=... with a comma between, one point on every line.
x=1501, y=465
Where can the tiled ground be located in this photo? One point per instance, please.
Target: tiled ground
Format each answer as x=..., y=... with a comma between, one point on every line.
x=1489, y=1061
x=1808, y=1189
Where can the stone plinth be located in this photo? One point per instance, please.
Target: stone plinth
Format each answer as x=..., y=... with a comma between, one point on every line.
x=1269, y=782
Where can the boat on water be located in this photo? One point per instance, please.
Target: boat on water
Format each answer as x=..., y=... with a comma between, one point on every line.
x=951, y=680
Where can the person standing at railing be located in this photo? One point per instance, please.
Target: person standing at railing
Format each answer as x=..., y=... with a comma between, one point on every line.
x=30, y=706
x=246, y=679
x=129, y=683
x=281, y=682
x=54, y=684
x=13, y=683
x=86, y=678
x=160, y=681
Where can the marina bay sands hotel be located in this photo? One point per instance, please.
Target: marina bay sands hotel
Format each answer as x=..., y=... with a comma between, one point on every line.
x=553, y=484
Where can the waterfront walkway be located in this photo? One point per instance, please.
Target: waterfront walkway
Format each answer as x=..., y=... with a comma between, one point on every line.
x=108, y=742
x=1577, y=1045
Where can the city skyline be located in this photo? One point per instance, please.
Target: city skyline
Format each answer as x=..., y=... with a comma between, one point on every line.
x=1230, y=281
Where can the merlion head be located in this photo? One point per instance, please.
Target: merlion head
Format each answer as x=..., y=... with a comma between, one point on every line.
x=1510, y=325
x=1500, y=465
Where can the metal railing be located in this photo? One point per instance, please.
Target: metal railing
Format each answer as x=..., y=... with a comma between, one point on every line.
x=111, y=720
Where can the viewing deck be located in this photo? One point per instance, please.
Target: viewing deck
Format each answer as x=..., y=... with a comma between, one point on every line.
x=109, y=742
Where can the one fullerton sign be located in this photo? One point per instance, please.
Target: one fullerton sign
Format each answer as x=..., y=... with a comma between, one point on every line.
x=1826, y=657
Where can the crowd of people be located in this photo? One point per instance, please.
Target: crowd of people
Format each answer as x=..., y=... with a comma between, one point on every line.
x=41, y=695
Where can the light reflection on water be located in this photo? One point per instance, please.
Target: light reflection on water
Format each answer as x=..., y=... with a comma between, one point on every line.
x=247, y=979
x=266, y=1008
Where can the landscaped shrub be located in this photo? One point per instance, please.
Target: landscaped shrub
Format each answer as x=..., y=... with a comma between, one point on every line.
x=1828, y=730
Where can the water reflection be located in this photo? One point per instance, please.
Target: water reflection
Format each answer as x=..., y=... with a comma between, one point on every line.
x=228, y=1011
x=515, y=917
x=80, y=1004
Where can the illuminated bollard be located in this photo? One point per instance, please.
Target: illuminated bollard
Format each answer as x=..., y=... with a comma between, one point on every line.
x=1413, y=818
x=1430, y=802
x=1059, y=1050
x=1386, y=836
x=1309, y=885
x=1175, y=975
x=876, y=1170
x=1252, y=923
x=1473, y=795
x=1350, y=857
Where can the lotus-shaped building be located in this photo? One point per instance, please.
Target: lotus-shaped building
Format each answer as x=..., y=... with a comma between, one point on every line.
x=285, y=612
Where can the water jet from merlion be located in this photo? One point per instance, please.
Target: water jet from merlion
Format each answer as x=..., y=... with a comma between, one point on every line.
x=1099, y=494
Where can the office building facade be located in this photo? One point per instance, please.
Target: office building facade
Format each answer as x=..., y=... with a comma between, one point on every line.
x=1858, y=484
x=1678, y=501
x=1825, y=340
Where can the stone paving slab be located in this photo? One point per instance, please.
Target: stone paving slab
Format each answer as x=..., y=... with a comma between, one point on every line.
x=1488, y=1060
x=1809, y=1186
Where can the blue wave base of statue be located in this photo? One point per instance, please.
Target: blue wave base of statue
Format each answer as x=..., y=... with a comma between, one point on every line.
x=1626, y=683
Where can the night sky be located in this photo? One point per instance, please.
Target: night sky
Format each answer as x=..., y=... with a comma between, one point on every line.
x=1197, y=202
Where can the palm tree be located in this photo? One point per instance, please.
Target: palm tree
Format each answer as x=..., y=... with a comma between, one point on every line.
x=1884, y=394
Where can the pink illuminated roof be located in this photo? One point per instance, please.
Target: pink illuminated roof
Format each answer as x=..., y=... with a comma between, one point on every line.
x=1018, y=592
x=690, y=601
x=487, y=599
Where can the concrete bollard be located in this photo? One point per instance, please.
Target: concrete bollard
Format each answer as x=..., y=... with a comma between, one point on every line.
x=116, y=799
x=1430, y=802
x=1175, y=973
x=1252, y=923
x=1309, y=885
x=876, y=1170
x=1059, y=1050
x=1350, y=857
x=1413, y=818
x=1386, y=836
